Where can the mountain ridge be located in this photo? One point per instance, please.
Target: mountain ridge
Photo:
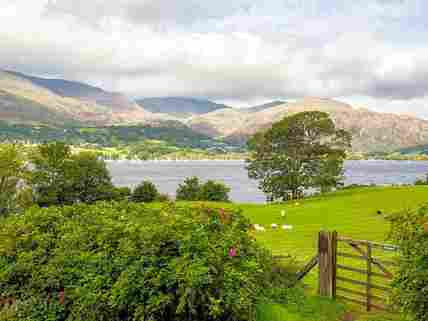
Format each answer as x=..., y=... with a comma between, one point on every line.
x=33, y=100
x=371, y=131
x=180, y=107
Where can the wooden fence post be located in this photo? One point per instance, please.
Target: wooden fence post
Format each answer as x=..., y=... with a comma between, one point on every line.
x=327, y=251
x=369, y=277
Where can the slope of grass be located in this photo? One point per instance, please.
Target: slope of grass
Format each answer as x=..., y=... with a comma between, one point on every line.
x=312, y=309
x=353, y=213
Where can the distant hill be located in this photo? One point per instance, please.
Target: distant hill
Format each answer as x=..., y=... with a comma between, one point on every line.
x=21, y=100
x=179, y=107
x=415, y=150
x=371, y=131
x=28, y=99
x=38, y=101
x=258, y=108
x=84, y=92
x=107, y=136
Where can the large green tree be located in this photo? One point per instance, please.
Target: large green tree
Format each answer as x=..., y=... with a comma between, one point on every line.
x=59, y=177
x=88, y=180
x=301, y=151
x=50, y=163
x=13, y=172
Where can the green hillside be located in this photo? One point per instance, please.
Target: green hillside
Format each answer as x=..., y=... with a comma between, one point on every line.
x=176, y=135
x=352, y=213
x=14, y=108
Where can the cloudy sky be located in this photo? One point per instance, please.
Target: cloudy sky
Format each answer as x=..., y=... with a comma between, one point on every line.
x=371, y=53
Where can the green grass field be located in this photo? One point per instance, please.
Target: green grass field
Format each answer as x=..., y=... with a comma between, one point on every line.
x=352, y=213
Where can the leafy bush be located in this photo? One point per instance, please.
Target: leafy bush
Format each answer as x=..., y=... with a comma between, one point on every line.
x=146, y=192
x=193, y=190
x=163, y=198
x=123, y=261
x=422, y=181
x=215, y=192
x=410, y=231
x=190, y=190
x=121, y=193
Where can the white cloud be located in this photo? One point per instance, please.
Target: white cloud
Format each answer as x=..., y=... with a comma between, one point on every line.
x=239, y=50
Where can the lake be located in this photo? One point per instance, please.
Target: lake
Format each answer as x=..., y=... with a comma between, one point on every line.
x=168, y=174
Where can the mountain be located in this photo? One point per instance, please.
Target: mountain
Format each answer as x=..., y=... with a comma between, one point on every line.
x=83, y=92
x=258, y=108
x=28, y=99
x=40, y=101
x=371, y=131
x=21, y=100
x=179, y=107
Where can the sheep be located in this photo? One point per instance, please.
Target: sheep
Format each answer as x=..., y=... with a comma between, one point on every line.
x=259, y=228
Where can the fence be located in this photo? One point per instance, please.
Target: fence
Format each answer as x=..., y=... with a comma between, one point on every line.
x=332, y=270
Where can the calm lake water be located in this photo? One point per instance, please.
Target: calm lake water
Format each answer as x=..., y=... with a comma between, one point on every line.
x=168, y=174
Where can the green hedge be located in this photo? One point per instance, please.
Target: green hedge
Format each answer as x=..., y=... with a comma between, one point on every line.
x=124, y=261
x=410, y=231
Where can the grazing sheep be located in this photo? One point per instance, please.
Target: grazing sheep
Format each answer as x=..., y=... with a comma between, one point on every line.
x=287, y=227
x=274, y=226
x=259, y=228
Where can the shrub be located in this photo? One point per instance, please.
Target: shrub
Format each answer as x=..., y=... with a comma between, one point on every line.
x=163, y=198
x=123, y=261
x=190, y=190
x=410, y=231
x=193, y=190
x=146, y=192
x=422, y=181
x=215, y=192
x=121, y=193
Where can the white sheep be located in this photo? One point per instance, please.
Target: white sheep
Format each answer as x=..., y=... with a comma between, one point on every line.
x=274, y=226
x=287, y=227
x=259, y=228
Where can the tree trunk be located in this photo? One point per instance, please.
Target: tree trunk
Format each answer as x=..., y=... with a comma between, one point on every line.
x=295, y=194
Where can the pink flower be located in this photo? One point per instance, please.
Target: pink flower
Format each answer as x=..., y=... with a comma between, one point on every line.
x=224, y=218
x=232, y=252
x=62, y=297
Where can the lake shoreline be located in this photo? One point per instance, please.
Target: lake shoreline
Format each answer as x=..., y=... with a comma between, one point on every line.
x=168, y=174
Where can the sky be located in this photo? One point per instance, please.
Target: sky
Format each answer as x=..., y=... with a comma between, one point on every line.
x=370, y=53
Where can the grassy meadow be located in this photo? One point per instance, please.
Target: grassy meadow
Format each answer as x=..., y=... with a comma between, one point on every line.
x=353, y=213
x=360, y=213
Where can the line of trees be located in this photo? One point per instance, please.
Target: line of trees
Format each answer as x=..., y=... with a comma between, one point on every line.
x=51, y=175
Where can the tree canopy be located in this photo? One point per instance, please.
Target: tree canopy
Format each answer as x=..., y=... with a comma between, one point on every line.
x=59, y=178
x=13, y=171
x=301, y=151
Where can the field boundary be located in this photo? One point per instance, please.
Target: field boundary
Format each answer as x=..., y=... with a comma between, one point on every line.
x=369, y=292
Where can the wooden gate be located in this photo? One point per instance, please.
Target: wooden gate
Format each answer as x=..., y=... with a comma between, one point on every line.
x=350, y=270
